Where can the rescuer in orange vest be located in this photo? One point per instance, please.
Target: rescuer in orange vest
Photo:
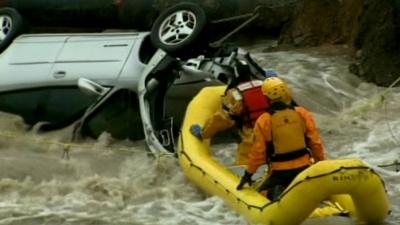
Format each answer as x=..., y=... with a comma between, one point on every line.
x=242, y=103
x=285, y=137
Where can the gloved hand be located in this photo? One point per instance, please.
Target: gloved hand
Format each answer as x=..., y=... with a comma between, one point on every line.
x=246, y=179
x=270, y=73
x=197, y=131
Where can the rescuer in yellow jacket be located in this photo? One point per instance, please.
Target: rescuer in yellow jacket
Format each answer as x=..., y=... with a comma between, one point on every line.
x=285, y=137
x=242, y=103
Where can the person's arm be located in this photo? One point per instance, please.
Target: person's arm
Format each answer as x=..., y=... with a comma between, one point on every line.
x=232, y=105
x=222, y=119
x=219, y=121
x=257, y=153
x=262, y=135
x=313, y=138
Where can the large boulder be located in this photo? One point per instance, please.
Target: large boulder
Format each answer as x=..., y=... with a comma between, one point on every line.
x=370, y=27
x=274, y=14
x=317, y=22
x=377, y=42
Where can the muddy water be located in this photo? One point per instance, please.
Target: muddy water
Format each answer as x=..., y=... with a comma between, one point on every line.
x=106, y=181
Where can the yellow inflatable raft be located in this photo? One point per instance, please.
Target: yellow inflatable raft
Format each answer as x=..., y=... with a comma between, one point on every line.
x=350, y=186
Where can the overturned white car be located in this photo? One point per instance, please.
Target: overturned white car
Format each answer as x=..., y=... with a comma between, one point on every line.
x=132, y=84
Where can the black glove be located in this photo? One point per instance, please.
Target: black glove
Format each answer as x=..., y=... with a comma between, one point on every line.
x=246, y=179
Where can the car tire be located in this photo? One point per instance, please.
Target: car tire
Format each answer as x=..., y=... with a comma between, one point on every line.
x=11, y=25
x=179, y=28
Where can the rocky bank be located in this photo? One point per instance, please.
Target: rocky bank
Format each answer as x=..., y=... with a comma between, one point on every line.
x=371, y=28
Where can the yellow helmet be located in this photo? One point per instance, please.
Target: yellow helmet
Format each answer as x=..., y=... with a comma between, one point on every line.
x=276, y=90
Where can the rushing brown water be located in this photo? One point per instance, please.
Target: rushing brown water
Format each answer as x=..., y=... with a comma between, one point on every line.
x=115, y=182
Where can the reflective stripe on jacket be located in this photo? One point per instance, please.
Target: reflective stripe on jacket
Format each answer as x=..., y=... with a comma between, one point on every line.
x=259, y=154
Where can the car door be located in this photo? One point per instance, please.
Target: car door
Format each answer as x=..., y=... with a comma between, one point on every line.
x=24, y=78
x=26, y=64
x=98, y=57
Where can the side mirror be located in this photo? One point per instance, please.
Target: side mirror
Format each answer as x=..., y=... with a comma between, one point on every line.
x=91, y=88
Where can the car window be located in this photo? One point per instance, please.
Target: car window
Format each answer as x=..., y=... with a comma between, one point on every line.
x=146, y=50
x=119, y=116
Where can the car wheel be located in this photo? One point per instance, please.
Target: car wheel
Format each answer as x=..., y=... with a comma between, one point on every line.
x=178, y=28
x=11, y=25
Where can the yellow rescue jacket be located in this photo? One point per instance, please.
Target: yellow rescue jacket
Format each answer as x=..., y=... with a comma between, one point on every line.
x=285, y=133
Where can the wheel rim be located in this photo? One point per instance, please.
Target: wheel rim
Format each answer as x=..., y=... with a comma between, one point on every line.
x=177, y=27
x=5, y=27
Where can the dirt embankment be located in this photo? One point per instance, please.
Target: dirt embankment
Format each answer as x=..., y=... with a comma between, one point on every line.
x=370, y=27
x=317, y=22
